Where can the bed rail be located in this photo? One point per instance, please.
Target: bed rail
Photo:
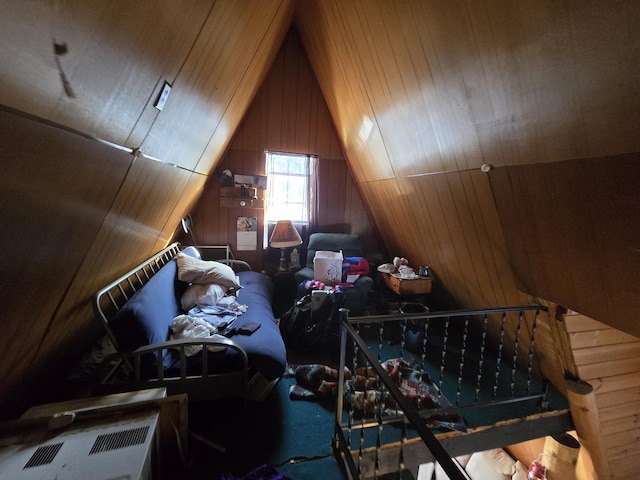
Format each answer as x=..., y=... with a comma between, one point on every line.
x=109, y=300
x=123, y=370
x=470, y=371
x=199, y=386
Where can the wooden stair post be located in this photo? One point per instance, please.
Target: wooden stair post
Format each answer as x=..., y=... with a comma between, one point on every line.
x=584, y=410
x=561, y=456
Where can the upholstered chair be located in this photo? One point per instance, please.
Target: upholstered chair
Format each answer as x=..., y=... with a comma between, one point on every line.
x=355, y=297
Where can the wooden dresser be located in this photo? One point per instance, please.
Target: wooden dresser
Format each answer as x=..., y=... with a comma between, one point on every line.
x=405, y=286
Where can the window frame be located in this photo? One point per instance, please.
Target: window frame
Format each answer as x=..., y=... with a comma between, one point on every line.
x=274, y=187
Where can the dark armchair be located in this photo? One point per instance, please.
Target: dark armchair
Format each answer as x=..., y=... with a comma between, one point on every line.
x=355, y=297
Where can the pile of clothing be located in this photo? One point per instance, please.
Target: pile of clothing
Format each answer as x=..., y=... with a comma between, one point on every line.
x=364, y=391
x=352, y=268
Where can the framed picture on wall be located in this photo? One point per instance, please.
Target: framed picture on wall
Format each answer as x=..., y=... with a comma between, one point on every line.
x=244, y=180
x=247, y=233
x=260, y=181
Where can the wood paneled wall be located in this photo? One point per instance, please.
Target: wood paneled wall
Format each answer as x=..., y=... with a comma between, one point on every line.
x=78, y=211
x=573, y=234
x=287, y=115
x=424, y=93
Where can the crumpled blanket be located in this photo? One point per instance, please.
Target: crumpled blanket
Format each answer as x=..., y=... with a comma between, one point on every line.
x=363, y=390
x=314, y=380
x=307, y=286
x=220, y=315
x=185, y=326
x=355, y=266
x=364, y=393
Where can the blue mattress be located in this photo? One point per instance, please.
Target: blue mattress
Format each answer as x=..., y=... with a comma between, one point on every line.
x=147, y=316
x=265, y=347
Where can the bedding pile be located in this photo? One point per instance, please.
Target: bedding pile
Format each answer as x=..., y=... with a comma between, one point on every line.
x=363, y=390
x=209, y=302
x=366, y=394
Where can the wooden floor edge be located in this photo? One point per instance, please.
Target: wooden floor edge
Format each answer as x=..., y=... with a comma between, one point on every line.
x=497, y=435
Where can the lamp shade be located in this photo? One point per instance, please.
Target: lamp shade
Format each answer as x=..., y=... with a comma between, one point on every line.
x=284, y=235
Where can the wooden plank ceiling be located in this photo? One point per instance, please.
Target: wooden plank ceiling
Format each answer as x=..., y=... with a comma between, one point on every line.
x=421, y=94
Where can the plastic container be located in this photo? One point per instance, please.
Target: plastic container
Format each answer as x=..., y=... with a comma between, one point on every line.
x=327, y=267
x=537, y=471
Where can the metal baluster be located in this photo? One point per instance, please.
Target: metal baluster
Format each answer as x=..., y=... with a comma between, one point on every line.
x=360, y=448
x=445, y=338
x=352, y=393
x=531, y=345
x=499, y=359
x=423, y=356
x=516, y=346
x=402, y=337
x=378, y=404
x=462, y=354
x=378, y=413
x=380, y=340
x=403, y=441
x=364, y=408
x=481, y=361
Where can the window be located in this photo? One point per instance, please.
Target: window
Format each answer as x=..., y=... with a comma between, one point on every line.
x=290, y=179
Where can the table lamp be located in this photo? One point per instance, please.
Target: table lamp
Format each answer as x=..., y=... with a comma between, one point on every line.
x=284, y=235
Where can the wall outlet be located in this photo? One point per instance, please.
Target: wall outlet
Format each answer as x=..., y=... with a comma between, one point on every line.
x=162, y=97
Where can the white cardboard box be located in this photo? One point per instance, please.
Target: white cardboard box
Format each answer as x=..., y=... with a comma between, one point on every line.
x=327, y=267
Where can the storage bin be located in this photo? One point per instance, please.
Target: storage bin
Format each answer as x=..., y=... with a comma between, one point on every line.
x=327, y=267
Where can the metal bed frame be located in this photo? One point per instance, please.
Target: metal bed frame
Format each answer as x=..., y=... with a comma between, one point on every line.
x=122, y=371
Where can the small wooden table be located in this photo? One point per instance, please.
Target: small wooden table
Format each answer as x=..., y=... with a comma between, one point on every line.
x=407, y=286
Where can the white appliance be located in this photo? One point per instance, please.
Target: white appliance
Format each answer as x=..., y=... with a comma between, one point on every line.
x=114, y=447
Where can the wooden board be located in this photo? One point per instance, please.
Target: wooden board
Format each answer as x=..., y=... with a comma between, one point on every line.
x=584, y=262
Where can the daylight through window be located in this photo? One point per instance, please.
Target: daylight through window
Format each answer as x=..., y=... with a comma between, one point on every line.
x=289, y=188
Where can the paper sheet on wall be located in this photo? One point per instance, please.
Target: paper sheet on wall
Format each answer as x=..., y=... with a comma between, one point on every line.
x=247, y=240
x=247, y=233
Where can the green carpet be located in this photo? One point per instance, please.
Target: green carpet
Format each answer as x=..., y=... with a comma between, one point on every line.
x=294, y=436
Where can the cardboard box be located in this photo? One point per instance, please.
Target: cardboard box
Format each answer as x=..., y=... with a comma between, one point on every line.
x=327, y=267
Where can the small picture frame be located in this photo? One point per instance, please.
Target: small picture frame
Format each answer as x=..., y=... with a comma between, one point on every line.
x=246, y=180
x=260, y=181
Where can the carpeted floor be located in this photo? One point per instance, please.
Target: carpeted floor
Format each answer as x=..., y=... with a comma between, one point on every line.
x=293, y=436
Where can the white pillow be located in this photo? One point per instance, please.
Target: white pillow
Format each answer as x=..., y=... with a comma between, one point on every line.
x=461, y=461
x=491, y=464
x=521, y=472
x=204, y=295
x=201, y=272
x=425, y=471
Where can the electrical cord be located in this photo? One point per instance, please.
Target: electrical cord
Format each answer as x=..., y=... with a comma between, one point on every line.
x=301, y=459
